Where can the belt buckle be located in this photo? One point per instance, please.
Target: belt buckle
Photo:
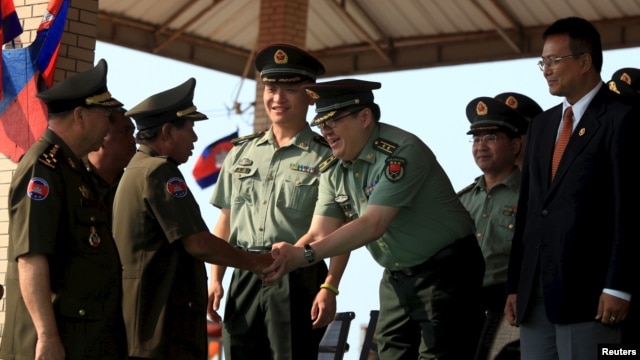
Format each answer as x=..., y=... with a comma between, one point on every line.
x=263, y=250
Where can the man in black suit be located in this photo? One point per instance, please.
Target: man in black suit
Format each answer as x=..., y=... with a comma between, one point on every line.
x=574, y=260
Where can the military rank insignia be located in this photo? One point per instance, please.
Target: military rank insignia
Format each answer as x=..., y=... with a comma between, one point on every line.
x=510, y=210
x=368, y=190
x=84, y=191
x=395, y=168
x=343, y=201
x=38, y=188
x=303, y=168
x=245, y=162
x=177, y=187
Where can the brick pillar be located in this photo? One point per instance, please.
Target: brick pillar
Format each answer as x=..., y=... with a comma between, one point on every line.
x=77, y=52
x=281, y=21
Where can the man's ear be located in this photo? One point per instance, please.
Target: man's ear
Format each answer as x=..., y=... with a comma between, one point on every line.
x=366, y=116
x=80, y=115
x=167, y=131
x=587, y=62
x=517, y=145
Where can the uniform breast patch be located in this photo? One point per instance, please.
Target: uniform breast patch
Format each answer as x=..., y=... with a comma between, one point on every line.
x=38, y=188
x=395, y=167
x=177, y=187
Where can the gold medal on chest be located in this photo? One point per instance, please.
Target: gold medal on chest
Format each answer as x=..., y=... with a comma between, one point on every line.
x=94, y=238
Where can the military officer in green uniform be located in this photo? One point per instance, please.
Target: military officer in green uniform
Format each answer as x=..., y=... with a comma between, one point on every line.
x=492, y=199
x=396, y=200
x=527, y=107
x=266, y=191
x=64, y=275
x=106, y=165
x=161, y=236
x=626, y=82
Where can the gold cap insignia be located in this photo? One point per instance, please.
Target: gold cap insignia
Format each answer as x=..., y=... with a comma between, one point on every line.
x=512, y=102
x=280, y=57
x=187, y=111
x=626, y=78
x=97, y=99
x=613, y=87
x=314, y=95
x=481, y=108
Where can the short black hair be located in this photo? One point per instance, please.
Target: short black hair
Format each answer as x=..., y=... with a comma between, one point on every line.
x=584, y=37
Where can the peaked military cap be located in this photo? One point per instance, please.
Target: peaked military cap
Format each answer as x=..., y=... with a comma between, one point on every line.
x=486, y=113
x=287, y=64
x=87, y=88
x=167, y=106
x=626, y=82
x=523, y=104
x=332, y=96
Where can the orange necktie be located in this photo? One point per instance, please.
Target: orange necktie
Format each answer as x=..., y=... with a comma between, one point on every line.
x=563, y=140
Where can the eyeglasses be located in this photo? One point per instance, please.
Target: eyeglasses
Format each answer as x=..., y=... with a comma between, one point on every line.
x=486, y=139
x=553, y=61
x=332, y=122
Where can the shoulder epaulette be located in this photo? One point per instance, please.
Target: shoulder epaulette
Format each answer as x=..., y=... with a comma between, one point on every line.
x=50, y=156
x=243, y=139
x=321, y=140
x=384, y=146
x=468, y=188
x=327, y=163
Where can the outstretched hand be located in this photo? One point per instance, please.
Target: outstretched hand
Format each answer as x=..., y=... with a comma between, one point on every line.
x=263, y=261
x=286, y=258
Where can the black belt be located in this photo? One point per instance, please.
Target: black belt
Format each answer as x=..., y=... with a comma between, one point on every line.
x=256, y=249
x=439, y=256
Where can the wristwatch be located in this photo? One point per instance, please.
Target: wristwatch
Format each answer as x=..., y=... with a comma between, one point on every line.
x=309, y=253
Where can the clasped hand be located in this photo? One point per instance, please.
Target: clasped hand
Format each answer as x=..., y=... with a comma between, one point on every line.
x=286, y=257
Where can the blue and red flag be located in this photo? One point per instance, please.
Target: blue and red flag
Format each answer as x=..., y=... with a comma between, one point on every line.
x=208, y=165
x=23, y=117
x=11, y=27
x=48, y=38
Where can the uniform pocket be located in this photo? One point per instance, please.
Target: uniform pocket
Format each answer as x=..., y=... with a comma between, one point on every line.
x=299, y=194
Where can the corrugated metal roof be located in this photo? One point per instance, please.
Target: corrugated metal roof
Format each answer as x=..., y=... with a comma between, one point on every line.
x=361, y=36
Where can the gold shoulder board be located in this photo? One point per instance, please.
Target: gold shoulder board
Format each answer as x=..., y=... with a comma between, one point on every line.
x=468, y=188
x=384, y=146
x=243, y=139
x=327, y=163
x=50, y=156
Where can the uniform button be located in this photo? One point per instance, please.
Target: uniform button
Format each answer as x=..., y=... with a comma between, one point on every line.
x=357, y=175
x=82, y=312
x=511, y=226
x=190, y=304
x=545, y=212
x=270, y=177
x=484, y=216
x=489, y=196
x=382, y=245
x=397, y=265
x=260, y=228
x=93, y=219
x=362, y=199
x=478, y=235
x=264, y=202
x=298, y=182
